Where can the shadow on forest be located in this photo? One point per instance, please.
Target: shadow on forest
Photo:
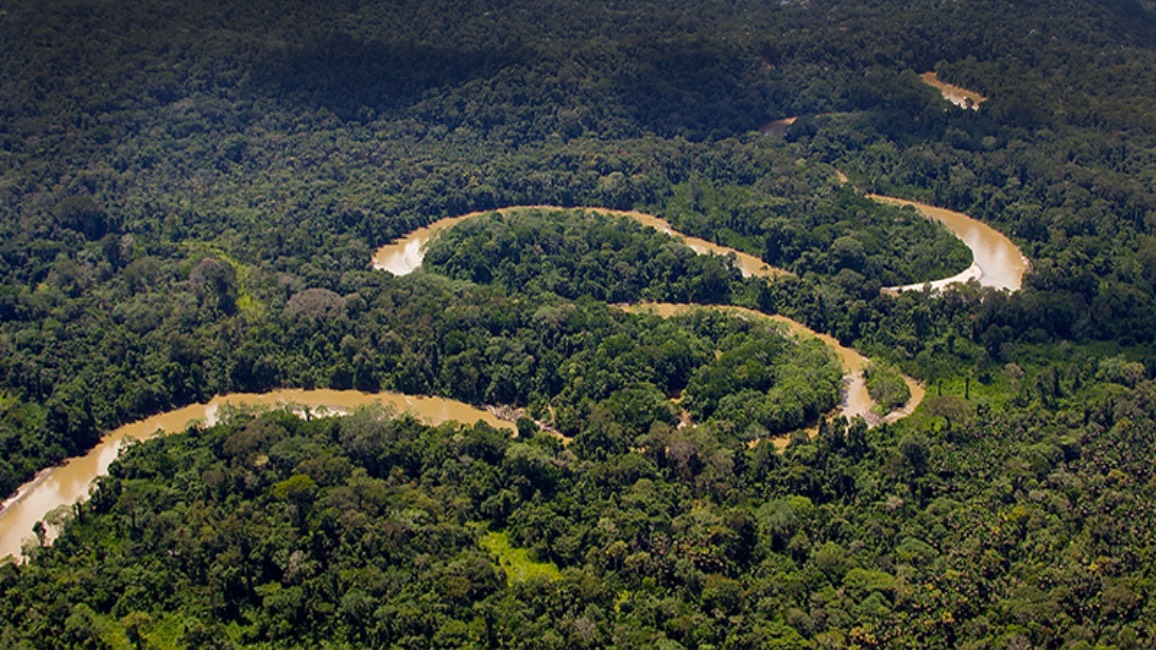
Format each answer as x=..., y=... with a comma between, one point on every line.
x=693, y=89
x=1133, y=18
x=355, y=78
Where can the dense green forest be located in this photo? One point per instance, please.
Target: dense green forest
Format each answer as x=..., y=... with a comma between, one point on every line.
x=368, y=530
x=190, y=195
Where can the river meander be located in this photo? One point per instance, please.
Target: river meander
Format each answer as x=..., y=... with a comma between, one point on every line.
x=405, y=255
x=66, y=484
x=999, y=262
x=996, y=261
x=856, y=402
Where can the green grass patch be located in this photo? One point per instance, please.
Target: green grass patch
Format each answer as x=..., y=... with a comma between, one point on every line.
x=246, y=303
x=997, y=383
x=1039, y=355
x=517, y=563
x=993, y=388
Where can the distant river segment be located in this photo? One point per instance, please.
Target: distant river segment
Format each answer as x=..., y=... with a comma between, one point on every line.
x=961, y=97
x=778, y=127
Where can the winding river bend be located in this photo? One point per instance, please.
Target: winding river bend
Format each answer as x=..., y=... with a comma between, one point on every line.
x=855, y=401
x=996, y=261
x=405, y=255
x=66, y=484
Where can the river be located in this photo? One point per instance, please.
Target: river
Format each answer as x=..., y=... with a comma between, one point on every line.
x=961, y=97
x=999, y=263
x=856, y=401
x=778, y=127
x=405, y=255
x=66, y=484
x=996, y=261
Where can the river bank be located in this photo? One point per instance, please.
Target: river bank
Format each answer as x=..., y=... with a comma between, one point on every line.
x=65, y=484
x=996, y=261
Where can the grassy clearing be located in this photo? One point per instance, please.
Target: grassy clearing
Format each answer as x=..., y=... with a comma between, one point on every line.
x=517, y=563
x=246, y=303
x=994, y=392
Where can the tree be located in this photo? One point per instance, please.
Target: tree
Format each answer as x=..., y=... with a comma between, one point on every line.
x=137, y=626
x=83, y=215
x=215, y=283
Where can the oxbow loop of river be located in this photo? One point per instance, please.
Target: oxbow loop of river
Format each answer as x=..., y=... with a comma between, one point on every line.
x=405, y=255
x=998, y=263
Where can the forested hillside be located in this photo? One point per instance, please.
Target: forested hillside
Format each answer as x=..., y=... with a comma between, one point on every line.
x=191, y=193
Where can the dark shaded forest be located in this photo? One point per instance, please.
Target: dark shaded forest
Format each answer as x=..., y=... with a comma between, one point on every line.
x=191, y=193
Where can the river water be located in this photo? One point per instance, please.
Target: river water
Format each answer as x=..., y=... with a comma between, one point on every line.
x=405, y=255
x=999, y=263
x=856, y=400
x=66, y=484
x=996, y=261
x=961, y=97
x=779, y=127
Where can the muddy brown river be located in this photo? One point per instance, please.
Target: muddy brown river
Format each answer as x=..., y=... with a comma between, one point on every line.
x=961, y=97
x=779, y=127
x=405, y=255
x=64, y=485
x=856, y=400
x=998, y=263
